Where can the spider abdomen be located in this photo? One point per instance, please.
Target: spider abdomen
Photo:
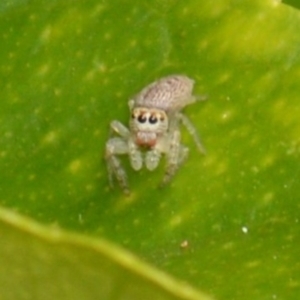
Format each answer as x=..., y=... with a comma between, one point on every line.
x=170, y=93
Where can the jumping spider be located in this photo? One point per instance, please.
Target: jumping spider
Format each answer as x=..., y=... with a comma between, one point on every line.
x=153, y=129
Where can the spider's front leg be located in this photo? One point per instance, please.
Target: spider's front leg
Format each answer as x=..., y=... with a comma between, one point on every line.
x=120, y=129
x=117, y=146
x=135, y=155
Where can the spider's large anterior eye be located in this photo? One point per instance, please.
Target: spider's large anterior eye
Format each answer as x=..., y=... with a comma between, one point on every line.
x=142, y=118
x=152, y=119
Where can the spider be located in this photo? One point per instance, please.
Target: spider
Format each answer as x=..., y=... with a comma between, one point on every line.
x=154, y=129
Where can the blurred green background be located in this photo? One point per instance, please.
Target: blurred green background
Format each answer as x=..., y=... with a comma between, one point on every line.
x=68, y=68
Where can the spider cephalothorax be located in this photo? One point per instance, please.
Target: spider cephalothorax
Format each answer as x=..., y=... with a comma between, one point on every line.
x=147, y=125
x=153, y=129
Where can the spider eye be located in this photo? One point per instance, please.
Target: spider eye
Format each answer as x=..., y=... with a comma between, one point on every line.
x=152, y=119
x=142, y=119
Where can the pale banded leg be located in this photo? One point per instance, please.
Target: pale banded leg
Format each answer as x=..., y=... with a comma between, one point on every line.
x=195, y=98
x=183, y=154
x=199, y=98
x=135, y=155
x=116, y=146
x=173, y=157
x=120, y=129
x=192, y=131
x=152, y=159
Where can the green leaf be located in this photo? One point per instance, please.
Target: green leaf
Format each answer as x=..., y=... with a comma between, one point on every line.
x=293, y=3
x=49, y=264
x=228, y=224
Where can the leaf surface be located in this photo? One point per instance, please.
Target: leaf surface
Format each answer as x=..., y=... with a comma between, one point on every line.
x=228, y=223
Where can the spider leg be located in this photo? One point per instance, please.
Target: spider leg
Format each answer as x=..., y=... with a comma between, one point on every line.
x=119, y=128
x=135, y=155
x=173, y=157
x=152, y=159
x=194, y=98
x=131, y=104
x=116, y=146
x=192, y=131
x=183, y=154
